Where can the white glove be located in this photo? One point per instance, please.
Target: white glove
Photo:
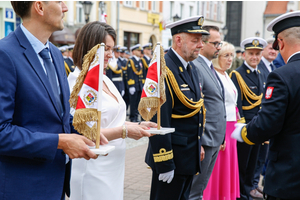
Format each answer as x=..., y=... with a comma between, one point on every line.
x=236, y=134
x=166, y=177
x=132, y=90
x=122, y=93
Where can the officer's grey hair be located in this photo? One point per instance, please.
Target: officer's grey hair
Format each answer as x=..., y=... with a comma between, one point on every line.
x=292, y=35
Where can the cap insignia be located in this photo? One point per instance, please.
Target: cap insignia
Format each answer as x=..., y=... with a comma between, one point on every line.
x=255, y=43
x=201, y=21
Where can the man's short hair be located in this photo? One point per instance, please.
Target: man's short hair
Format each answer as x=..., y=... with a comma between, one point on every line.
x=22, y=8
x=208, y=28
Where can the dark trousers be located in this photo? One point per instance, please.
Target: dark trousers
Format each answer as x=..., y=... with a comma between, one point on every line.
x=134, y=103
x=247, y=159
x=260, y=164
x=275, y=198
x=178, y=189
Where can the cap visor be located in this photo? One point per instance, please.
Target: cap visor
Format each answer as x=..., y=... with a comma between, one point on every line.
x=275, y=44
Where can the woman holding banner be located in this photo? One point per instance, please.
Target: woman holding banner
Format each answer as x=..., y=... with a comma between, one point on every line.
x=103, y=178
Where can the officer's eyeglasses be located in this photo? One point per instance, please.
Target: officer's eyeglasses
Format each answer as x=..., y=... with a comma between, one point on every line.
x=216, y=44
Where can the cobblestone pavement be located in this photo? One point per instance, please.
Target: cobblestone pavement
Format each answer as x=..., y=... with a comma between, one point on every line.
x=137, y=181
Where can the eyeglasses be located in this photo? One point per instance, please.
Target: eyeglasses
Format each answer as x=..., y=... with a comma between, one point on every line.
x=227, y=56
x=216, y=44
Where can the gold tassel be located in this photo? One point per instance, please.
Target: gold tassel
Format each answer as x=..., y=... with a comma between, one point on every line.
x=82, y=116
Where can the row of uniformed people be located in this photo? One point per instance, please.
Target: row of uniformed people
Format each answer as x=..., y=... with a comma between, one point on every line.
x=129, y=75
x=67, y=52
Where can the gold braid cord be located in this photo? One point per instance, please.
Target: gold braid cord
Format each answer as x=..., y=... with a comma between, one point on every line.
x=82, y=116
x=196, y=106
x=134, y=69
x=68, y=71
x=114, y=69
x=152, y=102
x=144, y=63
x=246, y=92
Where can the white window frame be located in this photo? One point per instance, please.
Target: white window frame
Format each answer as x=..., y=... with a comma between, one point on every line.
x=128, y=3
x=154, y=6
x=78, y=8
x=143, y=5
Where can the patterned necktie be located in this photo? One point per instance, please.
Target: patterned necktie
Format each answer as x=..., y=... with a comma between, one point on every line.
x=218, y=79
x=52, y=77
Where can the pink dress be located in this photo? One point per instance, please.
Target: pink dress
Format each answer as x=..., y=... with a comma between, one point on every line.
x=224, y=181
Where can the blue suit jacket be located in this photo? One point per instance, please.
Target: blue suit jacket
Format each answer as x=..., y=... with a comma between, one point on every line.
x=31, y=166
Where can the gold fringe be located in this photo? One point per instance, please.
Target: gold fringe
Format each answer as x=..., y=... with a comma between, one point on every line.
x=82, y=116
x=152, y=102
x=87, y=60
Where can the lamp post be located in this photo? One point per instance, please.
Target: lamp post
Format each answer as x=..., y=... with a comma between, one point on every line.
x=225, y=31
x=87, y=6
x=176, y=18
x=257, y=33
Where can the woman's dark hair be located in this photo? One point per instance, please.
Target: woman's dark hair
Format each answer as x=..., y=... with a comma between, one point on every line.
x=22, y=8
x=90, y=35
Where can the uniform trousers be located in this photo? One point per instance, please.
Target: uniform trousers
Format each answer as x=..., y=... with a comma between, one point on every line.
x=247, y=159
x=260, y=164
x=207, y=165
x=134, y=102
x=178, y=189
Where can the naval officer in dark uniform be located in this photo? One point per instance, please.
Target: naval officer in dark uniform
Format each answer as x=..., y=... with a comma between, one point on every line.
x=249, y=82
x=135, y=81
x=146, y=59
x=114, y=70
x=123, y=61
x=279, y=118
x=174, y=158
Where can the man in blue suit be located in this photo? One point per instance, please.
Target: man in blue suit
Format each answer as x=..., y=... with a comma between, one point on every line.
x=35, y=146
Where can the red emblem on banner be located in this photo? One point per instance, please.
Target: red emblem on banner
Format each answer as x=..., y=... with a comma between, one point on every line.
x=269, y=92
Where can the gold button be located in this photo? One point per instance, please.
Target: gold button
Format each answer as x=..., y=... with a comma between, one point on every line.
x=199, y=137
x=200, y=112
x=199, y=124
x=197, y=173
x=191, y=99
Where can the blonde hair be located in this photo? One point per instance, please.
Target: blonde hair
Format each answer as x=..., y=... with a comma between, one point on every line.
x=225, y=48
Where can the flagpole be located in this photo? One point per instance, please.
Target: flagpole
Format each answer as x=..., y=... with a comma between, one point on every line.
x=100, y=85
x=158, y=84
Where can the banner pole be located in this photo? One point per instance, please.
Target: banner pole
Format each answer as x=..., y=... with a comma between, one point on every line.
x=100, y=85
x=158, y=85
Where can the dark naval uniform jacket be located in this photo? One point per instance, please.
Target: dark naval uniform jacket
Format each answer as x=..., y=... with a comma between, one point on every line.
x=116, y=75
x=278, y=120
x=179, y=151
x=146, y=61
x=255, y=84
x=135, y=73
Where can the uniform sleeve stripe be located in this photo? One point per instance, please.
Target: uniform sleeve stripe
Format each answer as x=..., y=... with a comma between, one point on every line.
x=244, y=136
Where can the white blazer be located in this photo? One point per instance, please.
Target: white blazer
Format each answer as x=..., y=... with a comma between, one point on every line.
x=231, y=95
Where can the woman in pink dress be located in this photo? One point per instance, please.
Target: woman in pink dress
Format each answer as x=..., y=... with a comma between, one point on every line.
x=224, y=181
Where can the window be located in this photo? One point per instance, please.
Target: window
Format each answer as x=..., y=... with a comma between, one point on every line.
x=171, y=9
x=181, y=10
x=79, y=13
x=198, y=8
x=143, y=5
x=211, y=11
x=128, y=3
x=219, y=11
x=203, y=9
x=154, y=6
x=131, y=39
x=191, y=11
